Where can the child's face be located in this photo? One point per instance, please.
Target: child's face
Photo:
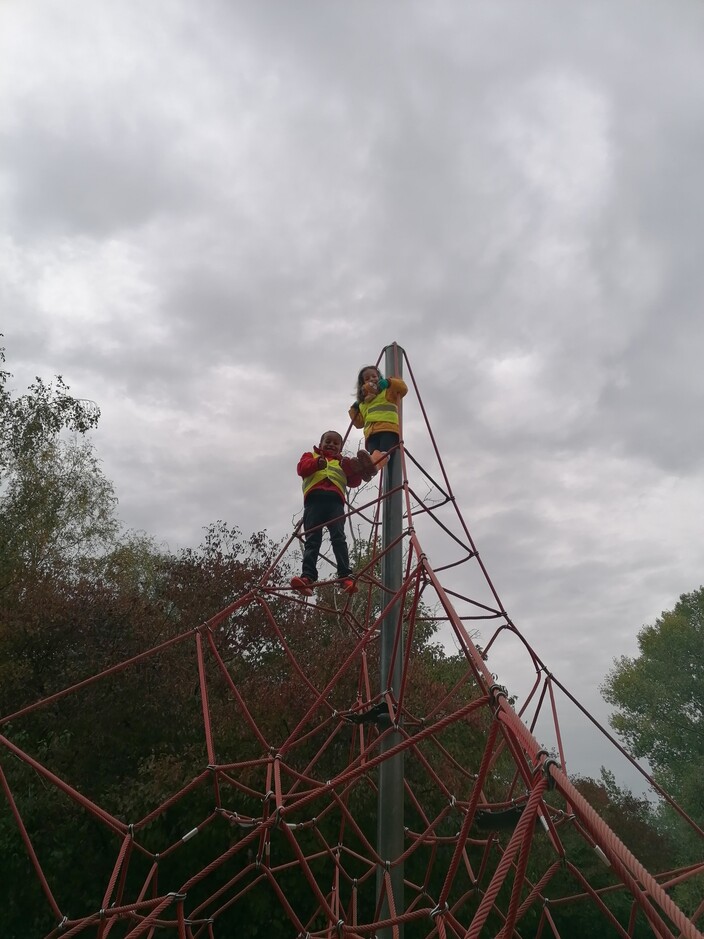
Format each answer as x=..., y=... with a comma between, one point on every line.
x=330, y=442
x=370, y=375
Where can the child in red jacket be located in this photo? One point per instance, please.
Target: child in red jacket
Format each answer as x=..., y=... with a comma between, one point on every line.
x=326, y=476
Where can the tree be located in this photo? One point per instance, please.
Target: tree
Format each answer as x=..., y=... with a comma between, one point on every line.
x=133, y=738
x=659, y=696
x=57, y=509
x=36, y=418
x=55, y=503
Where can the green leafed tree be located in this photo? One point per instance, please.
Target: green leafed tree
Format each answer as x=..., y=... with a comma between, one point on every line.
x=29, y=421
x=659, y=700
x=56, y=506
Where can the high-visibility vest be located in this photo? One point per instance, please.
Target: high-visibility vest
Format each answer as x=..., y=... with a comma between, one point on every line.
x=378, y=411
x=333, y=471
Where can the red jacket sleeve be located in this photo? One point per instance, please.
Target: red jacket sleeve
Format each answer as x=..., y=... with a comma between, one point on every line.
x=307, y=465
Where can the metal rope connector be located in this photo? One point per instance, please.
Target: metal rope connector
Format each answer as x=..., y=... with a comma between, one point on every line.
x=551, y=761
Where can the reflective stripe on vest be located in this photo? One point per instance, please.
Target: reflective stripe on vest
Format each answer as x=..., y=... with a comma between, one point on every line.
x=378, y=411
x=333, y=471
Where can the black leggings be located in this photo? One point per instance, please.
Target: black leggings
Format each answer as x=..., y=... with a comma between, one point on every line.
x=324, y=510
x=385, y=440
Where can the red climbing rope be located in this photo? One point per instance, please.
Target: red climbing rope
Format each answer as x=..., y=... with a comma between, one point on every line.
x=491, y=818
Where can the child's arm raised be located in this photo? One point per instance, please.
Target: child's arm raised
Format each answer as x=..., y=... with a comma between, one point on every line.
x=397, y=386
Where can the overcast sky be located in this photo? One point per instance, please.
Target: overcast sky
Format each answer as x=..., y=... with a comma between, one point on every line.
x=213, y=213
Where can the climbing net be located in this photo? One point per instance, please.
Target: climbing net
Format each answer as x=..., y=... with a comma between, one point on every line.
x=490, y=831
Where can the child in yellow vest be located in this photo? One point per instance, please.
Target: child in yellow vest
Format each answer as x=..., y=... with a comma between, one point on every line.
x=376, y=410
x=326, y=476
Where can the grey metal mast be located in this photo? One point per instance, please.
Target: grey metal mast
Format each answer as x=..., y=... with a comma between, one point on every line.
x=390, y=821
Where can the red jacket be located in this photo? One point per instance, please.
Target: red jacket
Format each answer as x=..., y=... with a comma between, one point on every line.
x=308, y=465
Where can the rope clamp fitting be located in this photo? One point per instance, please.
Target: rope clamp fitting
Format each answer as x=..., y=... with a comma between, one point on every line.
x=551, y=761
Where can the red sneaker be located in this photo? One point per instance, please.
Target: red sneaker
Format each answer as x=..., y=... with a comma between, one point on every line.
x=302, y=585
x=348, y=585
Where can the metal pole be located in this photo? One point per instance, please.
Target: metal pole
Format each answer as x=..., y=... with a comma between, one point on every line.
x=390, y=827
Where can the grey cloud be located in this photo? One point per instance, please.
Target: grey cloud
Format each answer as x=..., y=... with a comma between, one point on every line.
x=214, y=217
x=71, y=185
